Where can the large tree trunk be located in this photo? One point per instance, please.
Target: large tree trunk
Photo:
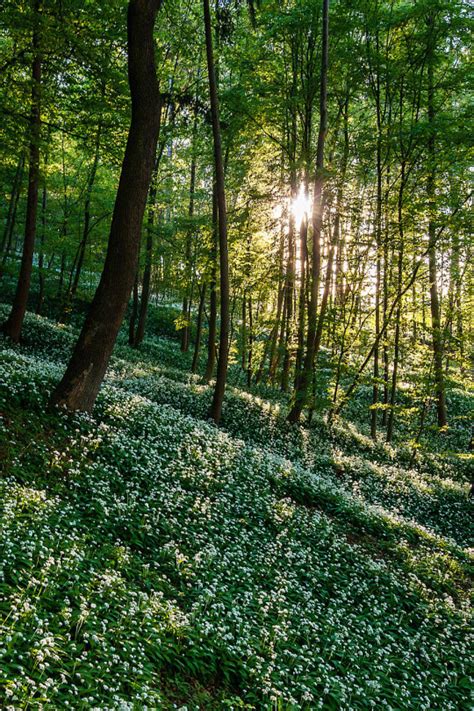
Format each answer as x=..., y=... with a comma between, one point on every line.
x=301, y=394
x=14, y=323
x=216, y=406
x=81, y=382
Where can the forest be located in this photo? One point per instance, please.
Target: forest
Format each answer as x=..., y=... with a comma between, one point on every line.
x=236, y=330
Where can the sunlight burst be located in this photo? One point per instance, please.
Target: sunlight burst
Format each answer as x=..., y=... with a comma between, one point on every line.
x=301, y=206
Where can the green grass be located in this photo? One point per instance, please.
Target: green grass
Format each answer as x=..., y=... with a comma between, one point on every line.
x=149, y=560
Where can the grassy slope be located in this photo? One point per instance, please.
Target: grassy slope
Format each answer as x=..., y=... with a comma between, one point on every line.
x=150, y=560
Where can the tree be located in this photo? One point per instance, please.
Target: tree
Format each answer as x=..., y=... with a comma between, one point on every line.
x=221, y=376
x=13, y=325
x=433, y=276
x=81, y=382
x=301, y=393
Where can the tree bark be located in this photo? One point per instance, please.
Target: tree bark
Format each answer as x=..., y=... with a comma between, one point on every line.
x=79, y=387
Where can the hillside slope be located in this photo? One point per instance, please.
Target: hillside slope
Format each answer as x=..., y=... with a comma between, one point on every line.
x=150, y=560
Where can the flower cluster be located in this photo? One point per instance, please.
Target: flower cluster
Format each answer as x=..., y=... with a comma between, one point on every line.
x=149, y=560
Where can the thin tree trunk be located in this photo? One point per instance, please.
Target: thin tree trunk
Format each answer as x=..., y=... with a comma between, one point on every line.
x=39, y=304
x=87, y=214
x=378, y=240
x=187, y=257
x=13, y=325
x=286, y=334
x=197, y=344
x=385, y=280
x=286, y=340
x=12, y=208
x=64, y=229
x=133, y=314
x=221, y=376
x=396, y=348
x=250, y=342
x=302, y=303
x=301, y=393
x=62, y=269
x=244, y=334
x=335, y=239
x=212, y=326
x=432, y=267
x=79, y=387
x=146, y=282
x=271, y=342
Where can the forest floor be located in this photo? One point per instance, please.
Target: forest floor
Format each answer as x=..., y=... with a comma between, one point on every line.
x=151, y=560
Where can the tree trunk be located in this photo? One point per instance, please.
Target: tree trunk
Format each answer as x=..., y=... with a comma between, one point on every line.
x=216, y=406
x=81, y=382
x=87, y=214
x=212, y=321
x=249, y=342
x=39, y=304
x=146, y=282
x=12, y=208
x=287, y=322
x=271, y=342
x=14, y=323
x=243, y=337
x=133, y=314
x=197, y=344
x=302, y=301
x=432, y=267
x=385, y=283
x=396, y=349
x=335, y=239
x=187, y=257
x=301, y=393
x=378, y=240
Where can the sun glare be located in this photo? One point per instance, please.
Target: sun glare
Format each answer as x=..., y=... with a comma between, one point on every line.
x=301, y=206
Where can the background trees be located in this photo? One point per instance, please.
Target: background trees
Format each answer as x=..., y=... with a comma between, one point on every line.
x=382, y=292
